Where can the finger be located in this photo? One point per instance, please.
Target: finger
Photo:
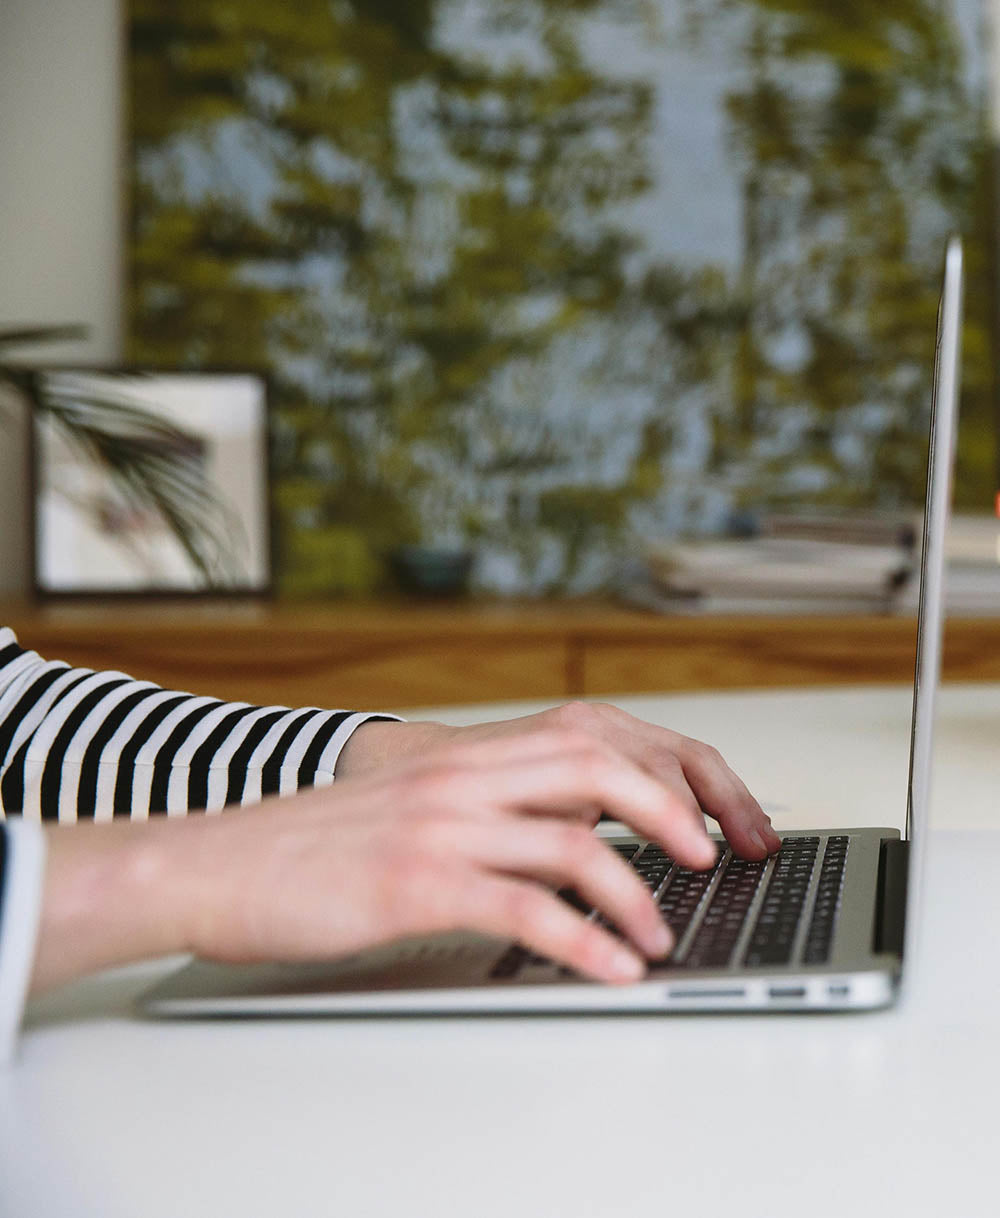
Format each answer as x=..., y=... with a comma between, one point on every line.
x=587, y=815
x=541, y=921
x=567, y=855
x=724, y=797
x=597, y=775
x=719, y=791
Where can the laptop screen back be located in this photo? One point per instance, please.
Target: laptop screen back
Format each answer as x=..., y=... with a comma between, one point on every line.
x=930, y=617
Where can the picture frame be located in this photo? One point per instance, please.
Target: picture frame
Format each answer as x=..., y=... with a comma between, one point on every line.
x=149, y=483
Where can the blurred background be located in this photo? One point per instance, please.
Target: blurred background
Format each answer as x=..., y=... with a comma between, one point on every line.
x=549, y=283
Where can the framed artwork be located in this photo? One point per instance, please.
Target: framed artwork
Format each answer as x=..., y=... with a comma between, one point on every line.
x=149, y=483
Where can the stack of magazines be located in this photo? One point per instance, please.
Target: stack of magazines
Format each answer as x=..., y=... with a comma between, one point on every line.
x=972, y=585
x=790, y=564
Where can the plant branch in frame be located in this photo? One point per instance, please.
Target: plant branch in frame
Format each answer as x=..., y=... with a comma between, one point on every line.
x=151, y=463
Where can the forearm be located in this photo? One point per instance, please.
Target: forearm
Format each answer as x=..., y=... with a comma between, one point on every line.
x=113, y=894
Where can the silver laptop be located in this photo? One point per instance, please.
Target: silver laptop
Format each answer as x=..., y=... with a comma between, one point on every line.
x=825, y=924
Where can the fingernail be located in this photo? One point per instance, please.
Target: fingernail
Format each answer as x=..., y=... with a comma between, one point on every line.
x=758, y=840
x=663, y=941
x=626, y=965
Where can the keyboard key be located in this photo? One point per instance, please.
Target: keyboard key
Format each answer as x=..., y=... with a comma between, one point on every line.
x=510, y=963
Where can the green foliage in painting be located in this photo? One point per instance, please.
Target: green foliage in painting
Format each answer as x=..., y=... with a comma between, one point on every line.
x=381, y=286
x=860, y=144
x=418, y=217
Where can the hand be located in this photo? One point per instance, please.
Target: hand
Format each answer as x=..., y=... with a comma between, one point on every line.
x=694, y=773
x=474, y=835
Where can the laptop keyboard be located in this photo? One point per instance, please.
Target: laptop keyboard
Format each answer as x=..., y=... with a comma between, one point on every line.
x=722, y=924
x=824, y=914
x=774, y=933
x=738, y=913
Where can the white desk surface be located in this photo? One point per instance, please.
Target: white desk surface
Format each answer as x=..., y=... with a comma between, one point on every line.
x=886, y=1113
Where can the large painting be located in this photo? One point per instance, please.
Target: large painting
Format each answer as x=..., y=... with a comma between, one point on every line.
x=545, y=278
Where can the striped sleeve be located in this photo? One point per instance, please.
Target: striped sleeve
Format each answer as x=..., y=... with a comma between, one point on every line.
x=82, y=745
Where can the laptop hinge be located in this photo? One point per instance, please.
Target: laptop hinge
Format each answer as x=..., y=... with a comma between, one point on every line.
x=890, y=903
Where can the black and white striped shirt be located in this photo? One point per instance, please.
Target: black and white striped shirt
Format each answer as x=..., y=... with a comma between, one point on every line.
x=82, y=745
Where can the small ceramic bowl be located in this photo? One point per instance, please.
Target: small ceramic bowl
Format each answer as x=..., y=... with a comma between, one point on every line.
x=429, y=571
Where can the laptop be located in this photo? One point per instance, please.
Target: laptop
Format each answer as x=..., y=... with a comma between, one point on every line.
x=825, y=924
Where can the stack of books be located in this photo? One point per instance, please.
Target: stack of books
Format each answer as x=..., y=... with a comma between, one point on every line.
x=791, y=565
x=972, y=585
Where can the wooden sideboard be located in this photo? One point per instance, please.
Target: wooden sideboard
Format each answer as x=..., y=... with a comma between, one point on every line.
x=387, y=655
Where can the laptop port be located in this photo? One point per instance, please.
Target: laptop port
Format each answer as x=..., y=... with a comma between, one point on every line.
x=839, y=991
x=787, y=991
x=728, y=992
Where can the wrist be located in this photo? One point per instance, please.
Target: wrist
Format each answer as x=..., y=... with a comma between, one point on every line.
x=379, y=743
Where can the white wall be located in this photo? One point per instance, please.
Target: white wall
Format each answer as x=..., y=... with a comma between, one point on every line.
x=61, y=205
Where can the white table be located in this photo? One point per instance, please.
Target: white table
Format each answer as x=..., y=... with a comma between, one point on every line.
x=894, y=1112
